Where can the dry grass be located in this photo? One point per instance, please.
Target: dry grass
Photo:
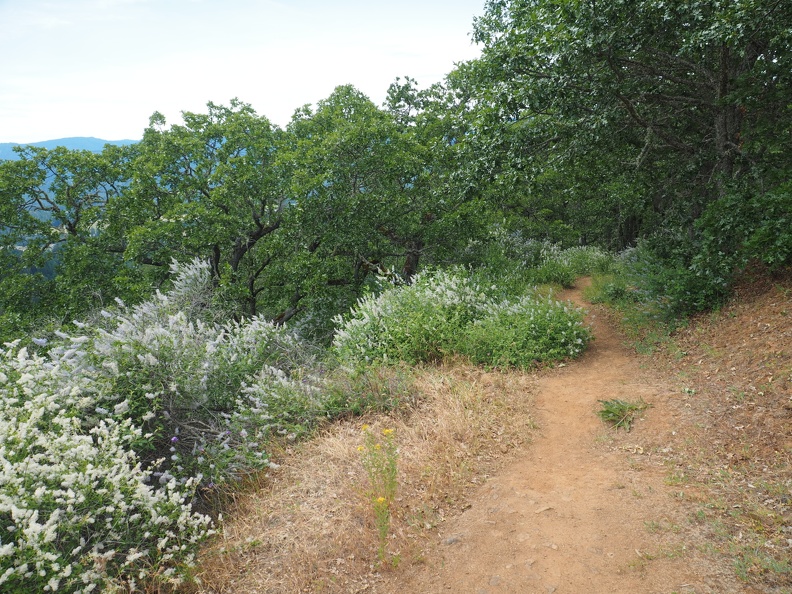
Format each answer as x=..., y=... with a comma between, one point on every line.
x=308, y=527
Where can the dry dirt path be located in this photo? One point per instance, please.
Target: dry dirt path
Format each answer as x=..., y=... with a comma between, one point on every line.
x=584, y=510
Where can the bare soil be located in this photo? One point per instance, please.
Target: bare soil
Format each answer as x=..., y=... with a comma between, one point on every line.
x=696, y=498
x=586, y=509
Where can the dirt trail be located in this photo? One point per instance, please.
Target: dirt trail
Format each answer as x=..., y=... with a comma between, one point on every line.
x=584, y=509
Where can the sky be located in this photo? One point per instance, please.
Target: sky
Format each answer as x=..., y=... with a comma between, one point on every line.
x=102, y=67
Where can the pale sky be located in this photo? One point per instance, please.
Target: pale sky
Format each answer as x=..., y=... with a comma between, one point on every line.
x=102, y=67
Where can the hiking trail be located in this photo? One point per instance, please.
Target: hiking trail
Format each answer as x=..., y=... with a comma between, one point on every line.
x=585, y=508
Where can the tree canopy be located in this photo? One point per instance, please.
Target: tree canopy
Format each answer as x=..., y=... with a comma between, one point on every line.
x=610, y=123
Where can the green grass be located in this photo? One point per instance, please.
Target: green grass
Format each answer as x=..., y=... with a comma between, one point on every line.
x=621, y=413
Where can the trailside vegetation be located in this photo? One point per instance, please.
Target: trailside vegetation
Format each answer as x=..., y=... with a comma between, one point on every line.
x=170, y=307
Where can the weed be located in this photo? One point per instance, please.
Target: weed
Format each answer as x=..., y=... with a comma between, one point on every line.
x=676, y=478
x=653, y=527
x=380, y=455
x=620, y=412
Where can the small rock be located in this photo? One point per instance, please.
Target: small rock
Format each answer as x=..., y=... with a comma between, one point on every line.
x=452, y=539
x=544, y=508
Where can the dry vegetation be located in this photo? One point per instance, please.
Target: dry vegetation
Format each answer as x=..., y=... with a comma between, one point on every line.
x=726, y=442
x=308, y=526
x=735, y=374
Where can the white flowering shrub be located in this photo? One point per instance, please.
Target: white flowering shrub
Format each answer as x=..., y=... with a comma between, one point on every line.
x=445, y=313
x=586, y=259
x=77, y=511
x=207, y=394
x=110, y=431
x=514, y=262
x=525, y=333
x=411, y=323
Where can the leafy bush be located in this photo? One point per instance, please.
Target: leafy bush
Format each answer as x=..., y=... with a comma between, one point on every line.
x=655, y=281
x=106, y=437
x=77, y=511
x=584, y=260
x=208, y=394
x=445, y=313
x=413, y=323
x=746, y=225
x=673, y=274
x=513, y=264
x=525, y=333
x=552, y=272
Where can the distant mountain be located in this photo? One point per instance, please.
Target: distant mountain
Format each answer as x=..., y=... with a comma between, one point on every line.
x=78, y=142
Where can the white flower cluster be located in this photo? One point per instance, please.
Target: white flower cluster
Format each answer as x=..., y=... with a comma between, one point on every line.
x=446, y=312
x=553, y=329
x=76, y=512
x=581, y=259
x=104, y=441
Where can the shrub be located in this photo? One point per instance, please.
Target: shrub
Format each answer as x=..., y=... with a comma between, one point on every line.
x=106, y=437
x=552, y=272
x=77, y=511
x=412, y=323
x=207, y=394
x=445, y=313
x=525, y=333
x=586, y=260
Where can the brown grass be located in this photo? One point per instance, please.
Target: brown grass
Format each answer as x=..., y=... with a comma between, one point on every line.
x=736, y=369
x=308, y=526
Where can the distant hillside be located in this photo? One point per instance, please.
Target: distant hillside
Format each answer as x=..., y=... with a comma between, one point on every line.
x=78, y=142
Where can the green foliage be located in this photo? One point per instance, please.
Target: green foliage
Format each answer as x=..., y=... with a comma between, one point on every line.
x=552, y=272
x=524, y=333
x=621, y=413
x=446, y=313
x=657, y=282
x=410, y=323
x=511, y=264
x=742, y=226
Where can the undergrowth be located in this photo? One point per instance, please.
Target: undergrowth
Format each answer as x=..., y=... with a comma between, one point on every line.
x=446, y=313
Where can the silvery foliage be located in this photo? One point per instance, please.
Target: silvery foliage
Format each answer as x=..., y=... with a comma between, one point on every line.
x=106, y=437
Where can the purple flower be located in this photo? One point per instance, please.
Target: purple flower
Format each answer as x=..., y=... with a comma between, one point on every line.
x=174, y=439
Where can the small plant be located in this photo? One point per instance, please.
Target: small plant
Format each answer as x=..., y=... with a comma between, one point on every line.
x=620, y=412
x=379, y=455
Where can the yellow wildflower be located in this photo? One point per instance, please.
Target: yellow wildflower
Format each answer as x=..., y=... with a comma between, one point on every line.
x=364, y=428
x=387, y=431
